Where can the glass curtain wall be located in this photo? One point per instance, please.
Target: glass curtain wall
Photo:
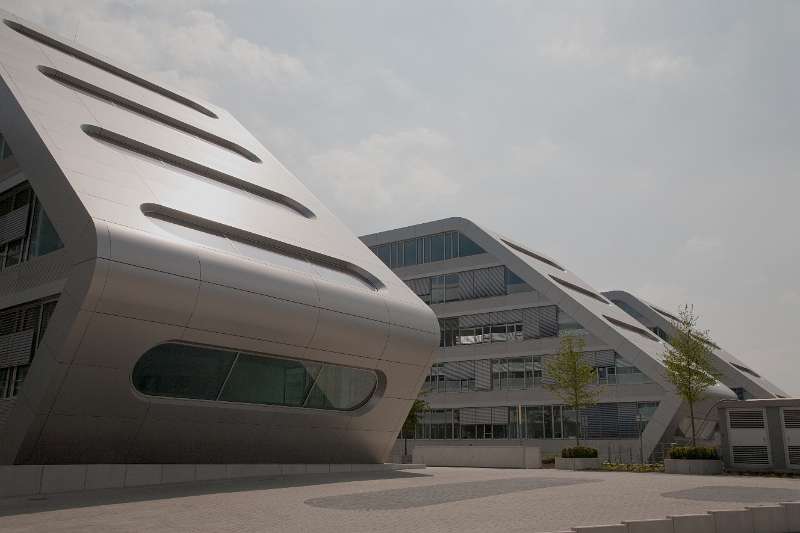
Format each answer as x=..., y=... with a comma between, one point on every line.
x=21, y=330
x=605, y=421
x=467, y=285
x=522, y=372
x=25, y=229
x=427, y=249
x=5, y=149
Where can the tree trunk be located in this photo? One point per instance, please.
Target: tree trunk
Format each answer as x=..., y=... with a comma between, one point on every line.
x=691, y=415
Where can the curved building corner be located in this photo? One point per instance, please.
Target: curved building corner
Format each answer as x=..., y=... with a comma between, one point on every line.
x=170, y=293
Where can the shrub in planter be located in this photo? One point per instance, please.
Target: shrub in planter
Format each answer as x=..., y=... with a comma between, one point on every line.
x=693, y=452
x=579, y=452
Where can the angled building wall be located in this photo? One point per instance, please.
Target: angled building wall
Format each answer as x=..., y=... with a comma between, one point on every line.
x=209, y=307
x=734, y=373
x=503, y=309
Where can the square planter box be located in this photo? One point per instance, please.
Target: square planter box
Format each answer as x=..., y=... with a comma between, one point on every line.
x=702, y=467
x=595, y=463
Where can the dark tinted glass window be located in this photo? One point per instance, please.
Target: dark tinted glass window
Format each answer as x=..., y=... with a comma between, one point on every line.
x=342, y=388
x=181, y=371
x=467, y=247
x=14, y=253
x=437, y=247
x=44, y=238
x=451, y=282
x=22, y=198
x=450, y=244
x=513, y=279
x=270, y=381
x=437, y=289
x=6, y=205
x=193, y=372
x=410, y=252
x=383, y=253
x=5, y=149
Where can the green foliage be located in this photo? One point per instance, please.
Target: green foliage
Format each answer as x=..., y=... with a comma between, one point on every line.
x=689, y=368
x=573, y=378
x=417, y=409
x=579, y=452
x=693, y=452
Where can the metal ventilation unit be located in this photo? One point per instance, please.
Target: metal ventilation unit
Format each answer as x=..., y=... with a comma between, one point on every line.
x=761, y=434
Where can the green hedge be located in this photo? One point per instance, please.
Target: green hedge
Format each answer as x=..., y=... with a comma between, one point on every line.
x=689, y=452
x=579, y=452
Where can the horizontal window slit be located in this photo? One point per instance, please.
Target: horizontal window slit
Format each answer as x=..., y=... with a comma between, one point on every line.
x=157, y=154
x=107, y=67
x=530, y=254
x=624, y=325
x=219, y=229
x=115, y=99
x=578, y=288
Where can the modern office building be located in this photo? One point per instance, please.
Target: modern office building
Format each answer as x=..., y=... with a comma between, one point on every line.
x=170, y=293
x=733, y=372
x=503, y=310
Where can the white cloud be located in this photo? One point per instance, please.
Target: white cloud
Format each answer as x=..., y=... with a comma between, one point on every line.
x=699, y=244
x=407, y=168
x=164, y=38
x=590, y=44
x=666, y=296
x=581, y=42
x=531, y=158
x=654, y=64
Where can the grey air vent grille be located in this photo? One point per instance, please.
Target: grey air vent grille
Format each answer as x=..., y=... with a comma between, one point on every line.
x=746, y=419
x=794, y=455
x=750, y=455
x=791, y=418
x=213, y=227
x=532, y=255
x=633, y=329
x=156, y=154
x=135, y=107
x=578, y=288
x=107, y=67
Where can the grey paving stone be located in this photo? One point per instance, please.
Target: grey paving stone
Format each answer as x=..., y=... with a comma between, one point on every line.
x=437, y=494
x=736, y=493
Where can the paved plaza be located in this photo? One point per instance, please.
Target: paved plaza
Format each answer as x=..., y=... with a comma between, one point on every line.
x=432, y=499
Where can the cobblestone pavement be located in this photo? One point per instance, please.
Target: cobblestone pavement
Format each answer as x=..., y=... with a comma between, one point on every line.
x=435, y=499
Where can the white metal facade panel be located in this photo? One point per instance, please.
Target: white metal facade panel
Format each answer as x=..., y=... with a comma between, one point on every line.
x=196, y=247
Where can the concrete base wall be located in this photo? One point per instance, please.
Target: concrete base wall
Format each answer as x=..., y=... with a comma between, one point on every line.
x=31, y=480
x=479, y=456
x=692, y=466
x=613, y=451
x=579, y=463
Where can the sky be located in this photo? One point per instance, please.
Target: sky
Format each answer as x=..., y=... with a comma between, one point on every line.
x=648, y=146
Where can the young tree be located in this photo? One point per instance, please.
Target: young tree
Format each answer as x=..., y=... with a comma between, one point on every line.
x=419, y=407
x=689, y=368
x=573, y=379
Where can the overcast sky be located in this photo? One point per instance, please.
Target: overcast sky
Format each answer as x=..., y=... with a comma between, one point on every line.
x=649, y=146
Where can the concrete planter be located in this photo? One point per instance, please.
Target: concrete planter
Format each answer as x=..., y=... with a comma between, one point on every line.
x=700, y=467
x=594, y=463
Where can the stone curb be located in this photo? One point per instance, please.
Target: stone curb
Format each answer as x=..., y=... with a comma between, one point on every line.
x=34, y=480
x=780, y=518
